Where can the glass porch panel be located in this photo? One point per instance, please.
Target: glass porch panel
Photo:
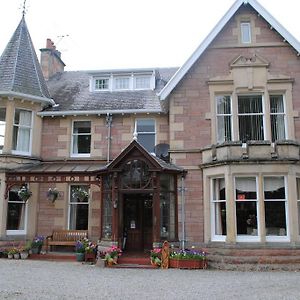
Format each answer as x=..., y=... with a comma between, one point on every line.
x=246, y=218
x=107, y=216
x=275, y=218
x=167, y=182
x=167, y=216
x=220, y=218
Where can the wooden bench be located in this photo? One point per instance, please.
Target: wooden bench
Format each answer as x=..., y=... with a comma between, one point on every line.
x=65, y=238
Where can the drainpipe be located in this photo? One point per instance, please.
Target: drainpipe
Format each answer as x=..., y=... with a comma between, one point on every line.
x=108, y=125
x=182, y=191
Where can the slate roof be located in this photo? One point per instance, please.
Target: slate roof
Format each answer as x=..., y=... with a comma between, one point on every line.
x=71, y=91
x=20, y=71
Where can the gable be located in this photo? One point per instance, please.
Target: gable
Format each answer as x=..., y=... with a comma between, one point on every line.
x=239, y=8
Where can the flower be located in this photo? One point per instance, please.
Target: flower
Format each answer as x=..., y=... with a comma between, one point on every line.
x=188, y=254
x=85, y=246
x=155, y=257
x=37, y=241
x=112, y=254
x=80, y=194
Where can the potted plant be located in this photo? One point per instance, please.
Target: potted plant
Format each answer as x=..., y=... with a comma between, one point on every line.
x=112, y=254
x=188, y=259
x=90, y=252
x=155, y=257
x=52, y=194
x=80, y=194
x=36, y=244
x=24, y=251
x=80, y=249
x=24, y=193
x=13, y=253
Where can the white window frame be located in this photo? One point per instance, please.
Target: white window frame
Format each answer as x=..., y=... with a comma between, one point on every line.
x=116, y=78
x=263, y=114
x=3, y=125
x=275, y=238
x=223, y=115
x=149, y=77
x=102, y=89
x=81, y=203
x=216, y=237
x=30, y=132
x=136, y=133
x=72, y=154
x=248, y=238
x=276, y=114
x=246, y=28
x=22, y=231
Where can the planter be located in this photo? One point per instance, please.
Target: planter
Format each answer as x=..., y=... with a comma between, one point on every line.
x=16, y=255
x=36, y=250
x=10, y=256
x=80, y=256
x=187, y=263
x=100, y=263
x=24, y=255
x=90, y=257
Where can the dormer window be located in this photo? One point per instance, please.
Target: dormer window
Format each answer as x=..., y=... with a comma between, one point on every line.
x=102, y=84
x=122, y=83
x=246, y=32
x=142, y=82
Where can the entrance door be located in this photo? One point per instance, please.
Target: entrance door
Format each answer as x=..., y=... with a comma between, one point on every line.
x=137, y=221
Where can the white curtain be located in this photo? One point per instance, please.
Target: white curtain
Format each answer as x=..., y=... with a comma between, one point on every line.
x=23, y=136
x=247, y=184
x=273, y=183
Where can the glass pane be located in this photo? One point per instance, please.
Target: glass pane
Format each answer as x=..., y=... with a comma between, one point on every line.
x=15, y=212
x=82, y=127
x=219, y=189
x=224, y=128
x=22, y=117
x=249, y=104
x=79, y=214
x=167, y=182
x=277, y=127
x=251, y=128
x=220, y=218
x=146, y=125
x=79, y=193
x=298, y=217
x=276, y=104
x=82, y=144
x=167, y=215
x=147, y=141
x=223, y=105
x=246, y=217
x=274, y=188
x=275, y=218
x=107, y=216
x=142, y=82
x=21, y=139
x=245, y=188
x=2, y=126
x=298, y=188
x=246, y=32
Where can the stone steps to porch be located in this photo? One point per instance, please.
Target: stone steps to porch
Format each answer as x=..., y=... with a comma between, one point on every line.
x=254, y=259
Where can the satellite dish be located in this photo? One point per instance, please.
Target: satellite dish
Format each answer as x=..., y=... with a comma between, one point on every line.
x=162, y=151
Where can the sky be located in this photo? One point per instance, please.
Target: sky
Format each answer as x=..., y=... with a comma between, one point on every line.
x=116, y=34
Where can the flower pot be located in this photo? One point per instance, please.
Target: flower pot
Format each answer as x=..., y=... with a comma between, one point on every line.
x=16, y=255
x=187, y=263
x=80, y=256
x=24, y=255
x=90, y=256
x=36, y=250
x=10, y=256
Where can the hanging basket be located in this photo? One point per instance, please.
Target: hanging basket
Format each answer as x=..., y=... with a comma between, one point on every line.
x=80, y=194
x=24, y=193
x=52, y=194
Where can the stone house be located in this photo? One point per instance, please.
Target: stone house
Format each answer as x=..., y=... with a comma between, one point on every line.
x=206, y=154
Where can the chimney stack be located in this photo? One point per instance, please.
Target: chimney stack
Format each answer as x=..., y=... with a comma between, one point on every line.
x=51, y=61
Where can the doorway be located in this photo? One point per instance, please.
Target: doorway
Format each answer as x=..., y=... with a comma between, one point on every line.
x=137, y=222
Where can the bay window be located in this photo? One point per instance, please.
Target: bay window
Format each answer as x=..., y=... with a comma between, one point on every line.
x=246, y=202
x=218, y=208
x=22, y=131
x=275, y=206
x=81, y=138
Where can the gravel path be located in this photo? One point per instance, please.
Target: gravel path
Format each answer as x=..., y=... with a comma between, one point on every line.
x=27, y=279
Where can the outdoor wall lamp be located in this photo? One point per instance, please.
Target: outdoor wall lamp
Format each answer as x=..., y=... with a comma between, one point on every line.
x=115, y=203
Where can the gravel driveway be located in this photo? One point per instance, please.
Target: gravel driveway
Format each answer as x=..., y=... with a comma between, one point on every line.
x=27, y=279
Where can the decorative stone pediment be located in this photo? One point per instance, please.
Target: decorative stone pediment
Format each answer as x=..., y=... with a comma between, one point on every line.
x=249, y=61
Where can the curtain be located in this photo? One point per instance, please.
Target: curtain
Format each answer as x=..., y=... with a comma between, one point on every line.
x=23, y=135
x=273, y=183
x=247, y=184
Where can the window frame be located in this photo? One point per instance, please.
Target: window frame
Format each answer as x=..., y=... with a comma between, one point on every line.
x=3, y=125
x=247, y=26
x=72, y=154
x=26, y=127
x=139, y=77
x=136, y=133
x=25, y=203
x=101, y=89
x=274, y=238
x=242, y=237
x=78, y=203
x=216, y=237
x=224, y=115
x=115, y=80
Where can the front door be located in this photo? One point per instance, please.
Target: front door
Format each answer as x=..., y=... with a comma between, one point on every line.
x=137, y=222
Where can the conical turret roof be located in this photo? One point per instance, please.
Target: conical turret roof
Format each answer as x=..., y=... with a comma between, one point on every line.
x=20, y=71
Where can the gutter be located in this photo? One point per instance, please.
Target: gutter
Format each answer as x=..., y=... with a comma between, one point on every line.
x=97, y=112
x=28, y=97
